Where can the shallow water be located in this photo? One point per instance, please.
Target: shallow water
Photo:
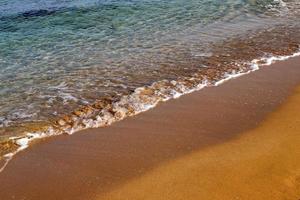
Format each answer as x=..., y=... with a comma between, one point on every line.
x=89, y=56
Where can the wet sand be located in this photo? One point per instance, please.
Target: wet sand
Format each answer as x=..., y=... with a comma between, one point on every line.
x=163, y=153
x=263, y=163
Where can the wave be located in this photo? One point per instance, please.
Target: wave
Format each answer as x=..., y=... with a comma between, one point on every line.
x=104, y=113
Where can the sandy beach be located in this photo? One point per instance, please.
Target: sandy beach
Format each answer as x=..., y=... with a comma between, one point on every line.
x=235, y=141
x=262, y=164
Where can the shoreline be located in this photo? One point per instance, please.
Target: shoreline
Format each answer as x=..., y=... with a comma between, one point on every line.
x=20, y=143
x=105, y=158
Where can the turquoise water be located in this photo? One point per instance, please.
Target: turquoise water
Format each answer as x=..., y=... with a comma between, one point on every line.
x=56, y=56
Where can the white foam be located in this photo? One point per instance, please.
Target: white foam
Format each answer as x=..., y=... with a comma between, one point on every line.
x=280, y=7
x=23, y=144
x=6, y=161
x=255, y=66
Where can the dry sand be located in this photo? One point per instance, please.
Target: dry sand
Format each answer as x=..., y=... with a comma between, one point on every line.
x=194, y=146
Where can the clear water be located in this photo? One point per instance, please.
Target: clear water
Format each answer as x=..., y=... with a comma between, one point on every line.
x=56, y=56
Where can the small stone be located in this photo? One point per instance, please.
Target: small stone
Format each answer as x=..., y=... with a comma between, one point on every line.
x=67, y=119
x=78, y=113
x=99, y=105
x=61, y=122
x=86, y=110
x=119, y=115
x=147, y=91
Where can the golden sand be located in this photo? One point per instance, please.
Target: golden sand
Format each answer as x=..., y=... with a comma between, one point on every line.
x=263, y=163
x=194, y=147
